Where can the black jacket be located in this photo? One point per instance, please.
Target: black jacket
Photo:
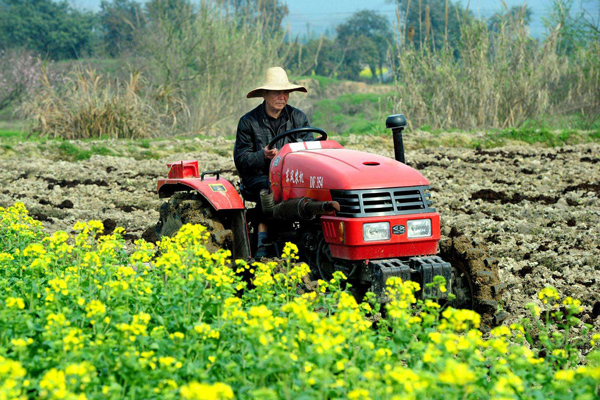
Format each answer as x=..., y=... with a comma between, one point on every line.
x=254, y=133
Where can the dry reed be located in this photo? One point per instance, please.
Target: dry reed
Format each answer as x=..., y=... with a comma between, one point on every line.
x=87, y=105
x=499, y=79
x=214, y=59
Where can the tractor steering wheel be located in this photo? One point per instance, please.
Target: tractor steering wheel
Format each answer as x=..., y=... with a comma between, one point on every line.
x=292, y=132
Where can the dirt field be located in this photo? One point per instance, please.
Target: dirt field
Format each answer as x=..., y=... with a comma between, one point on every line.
x=535, y=209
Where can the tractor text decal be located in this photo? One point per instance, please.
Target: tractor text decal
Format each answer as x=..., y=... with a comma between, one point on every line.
x=316, y=182
x=218, y=187
x=294, y=176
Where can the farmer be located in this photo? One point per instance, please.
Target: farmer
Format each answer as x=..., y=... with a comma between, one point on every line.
x=255, y=130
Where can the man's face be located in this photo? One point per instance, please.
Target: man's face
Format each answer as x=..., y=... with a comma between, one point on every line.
x=276, y=99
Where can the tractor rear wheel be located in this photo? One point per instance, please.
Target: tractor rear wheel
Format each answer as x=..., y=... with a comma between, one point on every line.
x=191, y=208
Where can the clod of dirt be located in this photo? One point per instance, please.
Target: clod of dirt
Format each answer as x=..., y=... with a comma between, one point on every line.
x=128, y=208
x=66, y=204
x=109, y=226
x=150, y=235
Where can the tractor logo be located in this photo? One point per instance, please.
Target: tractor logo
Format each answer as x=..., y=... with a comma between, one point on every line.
x=217, y=187
x=398, y=229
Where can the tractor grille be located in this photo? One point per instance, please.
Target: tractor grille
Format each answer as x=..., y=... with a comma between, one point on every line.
x=378, y=202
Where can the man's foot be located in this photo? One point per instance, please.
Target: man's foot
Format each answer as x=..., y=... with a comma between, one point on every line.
x=262, y=251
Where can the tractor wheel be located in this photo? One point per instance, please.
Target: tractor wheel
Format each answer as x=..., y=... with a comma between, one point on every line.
x=324, y=260
x=476, y=282
x=191, y=208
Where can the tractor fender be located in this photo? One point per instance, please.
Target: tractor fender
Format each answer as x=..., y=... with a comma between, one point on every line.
x=219, y=192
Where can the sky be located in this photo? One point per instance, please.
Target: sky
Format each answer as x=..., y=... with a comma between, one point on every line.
x=321, y=16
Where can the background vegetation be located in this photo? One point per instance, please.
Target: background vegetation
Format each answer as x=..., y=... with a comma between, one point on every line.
x=177, y=66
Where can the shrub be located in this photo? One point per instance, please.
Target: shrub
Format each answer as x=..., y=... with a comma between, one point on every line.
x=211, y=57
x=497, y=78
x=88, y=105
x=19, y=75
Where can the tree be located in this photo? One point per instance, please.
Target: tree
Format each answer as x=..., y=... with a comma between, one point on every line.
x=364, y=39
x=120, y=19
x=169, y=10
x=269, y=13
x=433, y=23
x=55, y=30
x=320, y=56
x=521, y=14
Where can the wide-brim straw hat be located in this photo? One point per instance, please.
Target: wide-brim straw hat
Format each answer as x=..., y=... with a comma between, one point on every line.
x=276, y=79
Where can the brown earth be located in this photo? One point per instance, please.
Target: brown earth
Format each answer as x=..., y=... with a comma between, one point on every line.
x=537, y=210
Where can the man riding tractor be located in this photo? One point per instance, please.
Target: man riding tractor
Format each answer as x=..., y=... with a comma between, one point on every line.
x=255, y=130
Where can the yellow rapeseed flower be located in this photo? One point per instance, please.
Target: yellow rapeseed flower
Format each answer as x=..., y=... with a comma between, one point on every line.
x=15, y=302
x=456, y=373
x=204, y=391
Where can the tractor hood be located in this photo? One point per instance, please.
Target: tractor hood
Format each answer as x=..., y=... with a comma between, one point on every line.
x=344, y=169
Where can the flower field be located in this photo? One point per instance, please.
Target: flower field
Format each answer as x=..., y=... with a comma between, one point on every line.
x=82, y=317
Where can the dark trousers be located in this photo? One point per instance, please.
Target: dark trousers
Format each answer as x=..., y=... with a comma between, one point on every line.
x=251, y=188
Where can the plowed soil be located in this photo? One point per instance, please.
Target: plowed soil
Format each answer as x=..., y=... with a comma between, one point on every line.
x=537, y=210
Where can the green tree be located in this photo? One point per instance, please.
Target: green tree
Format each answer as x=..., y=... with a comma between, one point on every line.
x=160, y=11
x=515, y=14
x=432, y=23
x=268, y=13
x=364, y=38
x=55, y=30
x=120, y=20
x=320, y=56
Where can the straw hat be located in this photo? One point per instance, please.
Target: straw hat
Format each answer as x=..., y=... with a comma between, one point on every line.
x=276, y=79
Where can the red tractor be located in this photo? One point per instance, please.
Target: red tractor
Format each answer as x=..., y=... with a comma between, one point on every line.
x=366, y=215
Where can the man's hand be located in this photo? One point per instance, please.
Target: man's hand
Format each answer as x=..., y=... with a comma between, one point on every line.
x=270, y=153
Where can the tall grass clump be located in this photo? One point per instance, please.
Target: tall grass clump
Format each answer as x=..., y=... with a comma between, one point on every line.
x=496, y=76
x=88, y=105
x=212, y=55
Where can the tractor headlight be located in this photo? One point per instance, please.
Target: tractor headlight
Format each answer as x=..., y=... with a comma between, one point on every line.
x=418, y=228
x=376, y=231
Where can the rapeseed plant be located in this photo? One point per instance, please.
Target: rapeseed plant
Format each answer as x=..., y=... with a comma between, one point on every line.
x=82, y=319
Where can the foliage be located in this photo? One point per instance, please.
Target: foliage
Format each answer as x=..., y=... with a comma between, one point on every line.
x=575, y=29
x=500, y=79
x=52, y=29
x=90, y=106
x=19, y=75
x=365, y=39
x=120, y=21
x=210, y=58
x=520, y=15
x=267, y=13
x=321, y=57
x=353, y=113
x=434, y=24
x=81, y=318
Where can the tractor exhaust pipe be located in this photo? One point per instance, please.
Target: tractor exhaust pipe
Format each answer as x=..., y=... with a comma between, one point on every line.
x=302, y=208
x=397, y=123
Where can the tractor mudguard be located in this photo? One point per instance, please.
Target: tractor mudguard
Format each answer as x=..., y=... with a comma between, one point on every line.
x=220, y=195
x=184, y=176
